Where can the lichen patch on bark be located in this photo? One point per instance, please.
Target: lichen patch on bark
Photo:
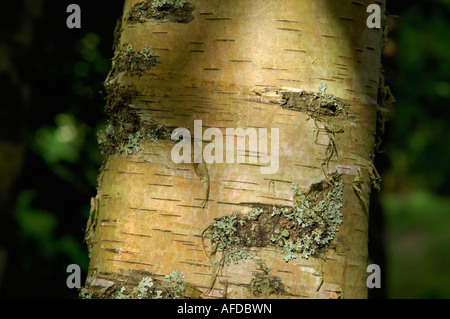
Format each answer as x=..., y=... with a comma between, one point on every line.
x=178, y=11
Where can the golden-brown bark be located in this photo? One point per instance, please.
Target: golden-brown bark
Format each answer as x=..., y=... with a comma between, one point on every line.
x=229, y=63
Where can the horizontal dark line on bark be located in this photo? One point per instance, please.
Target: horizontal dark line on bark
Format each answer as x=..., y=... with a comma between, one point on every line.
x=273, y=69
x=275, y=198
x=289, y=29
x=236, y=181
x=184, y=241
x=197, y=51
x=163, y=230
x=252, y=164
x=287, y=21
x=283, y=271
x=295, y=50
x=211, y=69
x=160, y=32
x=137, y=162
x=163, y=185
x=131, y=173
x=345, y=57
x=144, y=209
x=205, y=13
x=178, y=234
x=170, y=215
x=195, y=264
x=166, y=199
x=239, y=189
x=130, y=262
x=370, y=48
x=163, y=175
x=138, y=235
x=244, y=61
x=225, y=40
x=327, y=36
x=277, y=180
x=346, y=19
x=228, y=203
x=109, y=221
x=118, y=250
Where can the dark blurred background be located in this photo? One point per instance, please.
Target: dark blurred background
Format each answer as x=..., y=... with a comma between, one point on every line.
x=51, y=106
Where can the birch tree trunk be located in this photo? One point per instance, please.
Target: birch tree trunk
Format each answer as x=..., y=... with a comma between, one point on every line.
x=310, y=69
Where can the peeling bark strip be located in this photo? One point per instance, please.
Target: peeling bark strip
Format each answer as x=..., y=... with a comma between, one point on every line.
x=317, y=103
x=178, y=11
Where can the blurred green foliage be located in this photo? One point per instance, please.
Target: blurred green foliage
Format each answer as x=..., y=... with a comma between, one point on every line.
x=416, y=195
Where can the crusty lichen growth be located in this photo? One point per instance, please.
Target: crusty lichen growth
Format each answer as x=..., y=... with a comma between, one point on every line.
x=178, y=11
x=172, y=287
x=156, y=4
x=317, y=214
x=300, y=230
x=224, y=235
x=175, y=284
x=120, y=139
x=142, y=291
x=135, y=62
x=263, y=284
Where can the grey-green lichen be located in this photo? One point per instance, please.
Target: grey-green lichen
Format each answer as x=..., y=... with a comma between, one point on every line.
x=175, y=283
x=303, y=229
x=142, y=291
x=329, y=101
x=316, y=216
x=135, y=62
x=224, y=235
x=264, y=284
x=178, y=11
x=172, y=287
x=122, y=140
x=156, y=4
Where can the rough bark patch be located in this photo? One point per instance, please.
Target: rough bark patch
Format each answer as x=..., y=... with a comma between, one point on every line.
x=302, y=229
x=264, y=285
x=124, y=129
x=312, y=103
x=135, y=62
x=177, y=11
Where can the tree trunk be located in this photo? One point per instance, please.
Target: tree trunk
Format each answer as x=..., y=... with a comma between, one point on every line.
x=309, y=69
